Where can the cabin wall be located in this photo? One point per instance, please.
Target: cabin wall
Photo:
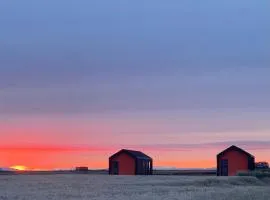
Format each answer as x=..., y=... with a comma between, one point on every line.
x=144, y=167
x=237, y=161
x=126, y=164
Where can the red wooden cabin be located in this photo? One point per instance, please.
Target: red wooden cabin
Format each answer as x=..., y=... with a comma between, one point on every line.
x=232, y=160
x=129, y=162
x=81, y=169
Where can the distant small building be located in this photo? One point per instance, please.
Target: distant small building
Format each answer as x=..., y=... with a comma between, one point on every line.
x=81, y=169
x=233, y=160
x=130, y=162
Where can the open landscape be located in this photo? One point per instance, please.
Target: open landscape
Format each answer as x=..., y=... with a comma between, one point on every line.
x=103, y=187
x=134, y=100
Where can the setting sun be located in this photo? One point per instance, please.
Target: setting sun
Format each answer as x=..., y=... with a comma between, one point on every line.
x=19, y=167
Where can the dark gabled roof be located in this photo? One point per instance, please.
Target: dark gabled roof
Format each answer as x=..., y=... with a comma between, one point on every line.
x=132, y=153
x=235, y=148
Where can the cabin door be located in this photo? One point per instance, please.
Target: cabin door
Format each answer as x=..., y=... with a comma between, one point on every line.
x=115, y=167
x=224, y=167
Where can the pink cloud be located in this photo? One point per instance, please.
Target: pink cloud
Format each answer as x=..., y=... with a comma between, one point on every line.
x=249, y=145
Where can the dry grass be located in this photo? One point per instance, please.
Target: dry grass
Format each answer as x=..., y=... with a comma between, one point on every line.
x=103, y=187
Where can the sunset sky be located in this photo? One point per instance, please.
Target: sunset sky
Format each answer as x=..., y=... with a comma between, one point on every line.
x=179, y=80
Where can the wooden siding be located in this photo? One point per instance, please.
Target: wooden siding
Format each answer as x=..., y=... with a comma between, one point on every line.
x=237, y=161
x=126, y=164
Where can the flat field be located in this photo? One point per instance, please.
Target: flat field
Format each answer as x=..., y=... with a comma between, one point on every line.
x=104, y=187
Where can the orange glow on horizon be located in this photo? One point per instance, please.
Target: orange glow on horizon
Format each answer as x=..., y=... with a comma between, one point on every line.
x=19, y=167
x=187, y=164
x=59, y=157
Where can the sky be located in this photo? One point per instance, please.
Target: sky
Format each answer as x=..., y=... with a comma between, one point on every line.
x=179, y=80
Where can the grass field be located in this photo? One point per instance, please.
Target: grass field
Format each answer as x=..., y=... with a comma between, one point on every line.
x=104, y=187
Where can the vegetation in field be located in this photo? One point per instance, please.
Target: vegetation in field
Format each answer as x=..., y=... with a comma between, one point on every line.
x=264, y=173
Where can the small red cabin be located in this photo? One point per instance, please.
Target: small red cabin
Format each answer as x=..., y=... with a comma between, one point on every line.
x=232, y=160
x=81, y=169
x=129, y=162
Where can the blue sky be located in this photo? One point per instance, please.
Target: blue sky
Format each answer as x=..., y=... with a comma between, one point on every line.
x=103, y=55
x=204, y=63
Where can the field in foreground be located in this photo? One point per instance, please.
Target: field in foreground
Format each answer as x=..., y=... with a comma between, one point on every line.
x=104, y=187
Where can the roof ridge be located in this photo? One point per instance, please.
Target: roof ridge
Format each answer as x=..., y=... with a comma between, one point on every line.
x=133, y=153
x=236, y=147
